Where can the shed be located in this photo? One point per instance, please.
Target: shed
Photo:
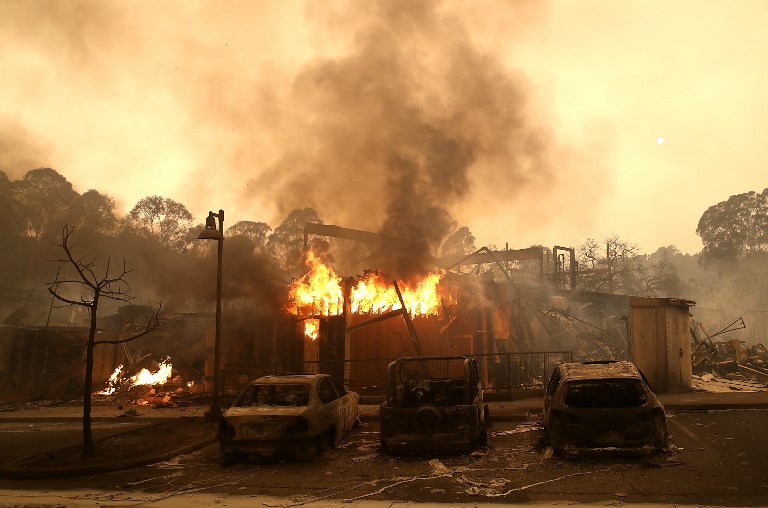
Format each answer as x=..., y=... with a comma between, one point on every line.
x=661, y=342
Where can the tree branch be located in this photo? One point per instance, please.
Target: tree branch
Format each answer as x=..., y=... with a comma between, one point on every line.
x=152, y=323
x=81, y=303
x=65, y=234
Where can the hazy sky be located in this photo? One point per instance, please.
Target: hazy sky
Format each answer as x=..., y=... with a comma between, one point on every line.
x=530, y=122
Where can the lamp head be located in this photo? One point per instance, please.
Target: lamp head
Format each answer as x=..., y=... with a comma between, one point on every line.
x=210, y=232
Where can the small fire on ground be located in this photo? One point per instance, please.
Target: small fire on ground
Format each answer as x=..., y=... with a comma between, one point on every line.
x=143, y=378
x=320, y=293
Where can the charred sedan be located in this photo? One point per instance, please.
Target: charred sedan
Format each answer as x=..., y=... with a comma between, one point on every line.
x=296, y=416
x=602, y=405
x=433, y=403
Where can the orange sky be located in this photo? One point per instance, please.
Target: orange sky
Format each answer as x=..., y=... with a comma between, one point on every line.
x=258, y=107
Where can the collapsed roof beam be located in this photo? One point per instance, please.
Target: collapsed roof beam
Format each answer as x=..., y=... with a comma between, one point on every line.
x=313, y=228
x=484, y=255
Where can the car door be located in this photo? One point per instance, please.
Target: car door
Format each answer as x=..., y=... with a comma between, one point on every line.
x=329, y=396
x=349, y=403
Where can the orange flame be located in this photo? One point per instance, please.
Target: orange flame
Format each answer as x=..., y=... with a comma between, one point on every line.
x=144, y=377
x=112, y=382
x=373, y=295
x=319, y=293
x=311, y=328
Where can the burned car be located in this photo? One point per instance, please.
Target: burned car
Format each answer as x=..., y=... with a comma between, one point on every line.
x=602, y=405
x=296, y=416
x=433, y=403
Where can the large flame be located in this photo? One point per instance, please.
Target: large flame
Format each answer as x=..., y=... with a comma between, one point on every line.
x=373, y=295
x=319, y=293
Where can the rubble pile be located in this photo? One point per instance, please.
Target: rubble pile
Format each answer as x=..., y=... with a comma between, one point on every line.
x=141, y=387
x=171, y=394
x=587, y=341
x=731, y=363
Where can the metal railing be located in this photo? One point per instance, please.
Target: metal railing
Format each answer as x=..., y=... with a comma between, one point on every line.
x=499, y=372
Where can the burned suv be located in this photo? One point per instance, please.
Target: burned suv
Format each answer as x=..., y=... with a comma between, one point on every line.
x=433, y=403
x=606, y=404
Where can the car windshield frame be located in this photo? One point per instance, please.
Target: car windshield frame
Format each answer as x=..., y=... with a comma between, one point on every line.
x=269, y=394
x=606, y=393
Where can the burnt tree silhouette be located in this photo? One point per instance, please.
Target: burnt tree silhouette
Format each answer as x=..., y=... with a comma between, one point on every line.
x=92, y=287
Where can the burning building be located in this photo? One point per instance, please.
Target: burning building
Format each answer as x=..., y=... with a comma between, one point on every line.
x=505, y=310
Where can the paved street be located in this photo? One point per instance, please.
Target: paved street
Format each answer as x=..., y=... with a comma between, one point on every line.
x=18, y=440
x=716, y=458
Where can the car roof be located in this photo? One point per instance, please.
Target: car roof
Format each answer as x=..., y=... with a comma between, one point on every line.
x=600, y=370
x=289, y=379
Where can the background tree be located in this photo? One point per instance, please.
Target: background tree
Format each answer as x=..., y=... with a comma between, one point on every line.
x=10, y=219
x=85, y=288
x=164, y=219
x=459, y=243
x=662, y=279
x=93, y=212
x=613, y=266
x=12, y=255
x=257, y=232
x=286, y=243
x=42, y=197
x=734, y=227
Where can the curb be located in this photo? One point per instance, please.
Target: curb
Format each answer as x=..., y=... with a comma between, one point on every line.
x=13, y=471
x=96, y=419
x=715, y=407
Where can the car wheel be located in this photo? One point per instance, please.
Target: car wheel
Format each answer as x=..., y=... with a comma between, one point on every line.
x=309, y=452
x=322, y=445
x=554, y=432
x=482, y=439
x=228, y=457
x=660, y=434
x=428, y=420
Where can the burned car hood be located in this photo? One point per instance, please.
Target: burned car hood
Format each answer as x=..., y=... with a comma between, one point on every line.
x=265, y=411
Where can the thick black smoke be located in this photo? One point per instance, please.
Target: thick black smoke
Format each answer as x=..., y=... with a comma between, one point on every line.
x=386, y=136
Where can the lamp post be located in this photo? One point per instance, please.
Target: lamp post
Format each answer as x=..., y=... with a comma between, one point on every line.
x=212, y=233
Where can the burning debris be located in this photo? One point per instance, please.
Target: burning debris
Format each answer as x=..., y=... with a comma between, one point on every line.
x=119, y=381
x=158, y=387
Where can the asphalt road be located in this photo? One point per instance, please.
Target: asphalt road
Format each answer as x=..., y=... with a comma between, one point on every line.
x=716, y=458
x=18, y=440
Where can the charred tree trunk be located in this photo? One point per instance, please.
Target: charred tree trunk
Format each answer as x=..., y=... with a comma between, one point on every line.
x=87, y=388
x=112, y=287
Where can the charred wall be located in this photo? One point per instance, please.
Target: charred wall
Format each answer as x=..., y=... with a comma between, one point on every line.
x=50, y=362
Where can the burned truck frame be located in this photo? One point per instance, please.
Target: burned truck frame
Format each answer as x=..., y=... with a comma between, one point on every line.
x=433, y=403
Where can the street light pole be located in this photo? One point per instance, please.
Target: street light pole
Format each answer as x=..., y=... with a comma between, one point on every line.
x=211, y=233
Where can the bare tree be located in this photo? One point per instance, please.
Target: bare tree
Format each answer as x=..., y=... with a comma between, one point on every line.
x=613, y=266
x=79, y=275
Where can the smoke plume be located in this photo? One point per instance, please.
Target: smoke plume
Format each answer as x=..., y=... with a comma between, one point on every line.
x=391, y=116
